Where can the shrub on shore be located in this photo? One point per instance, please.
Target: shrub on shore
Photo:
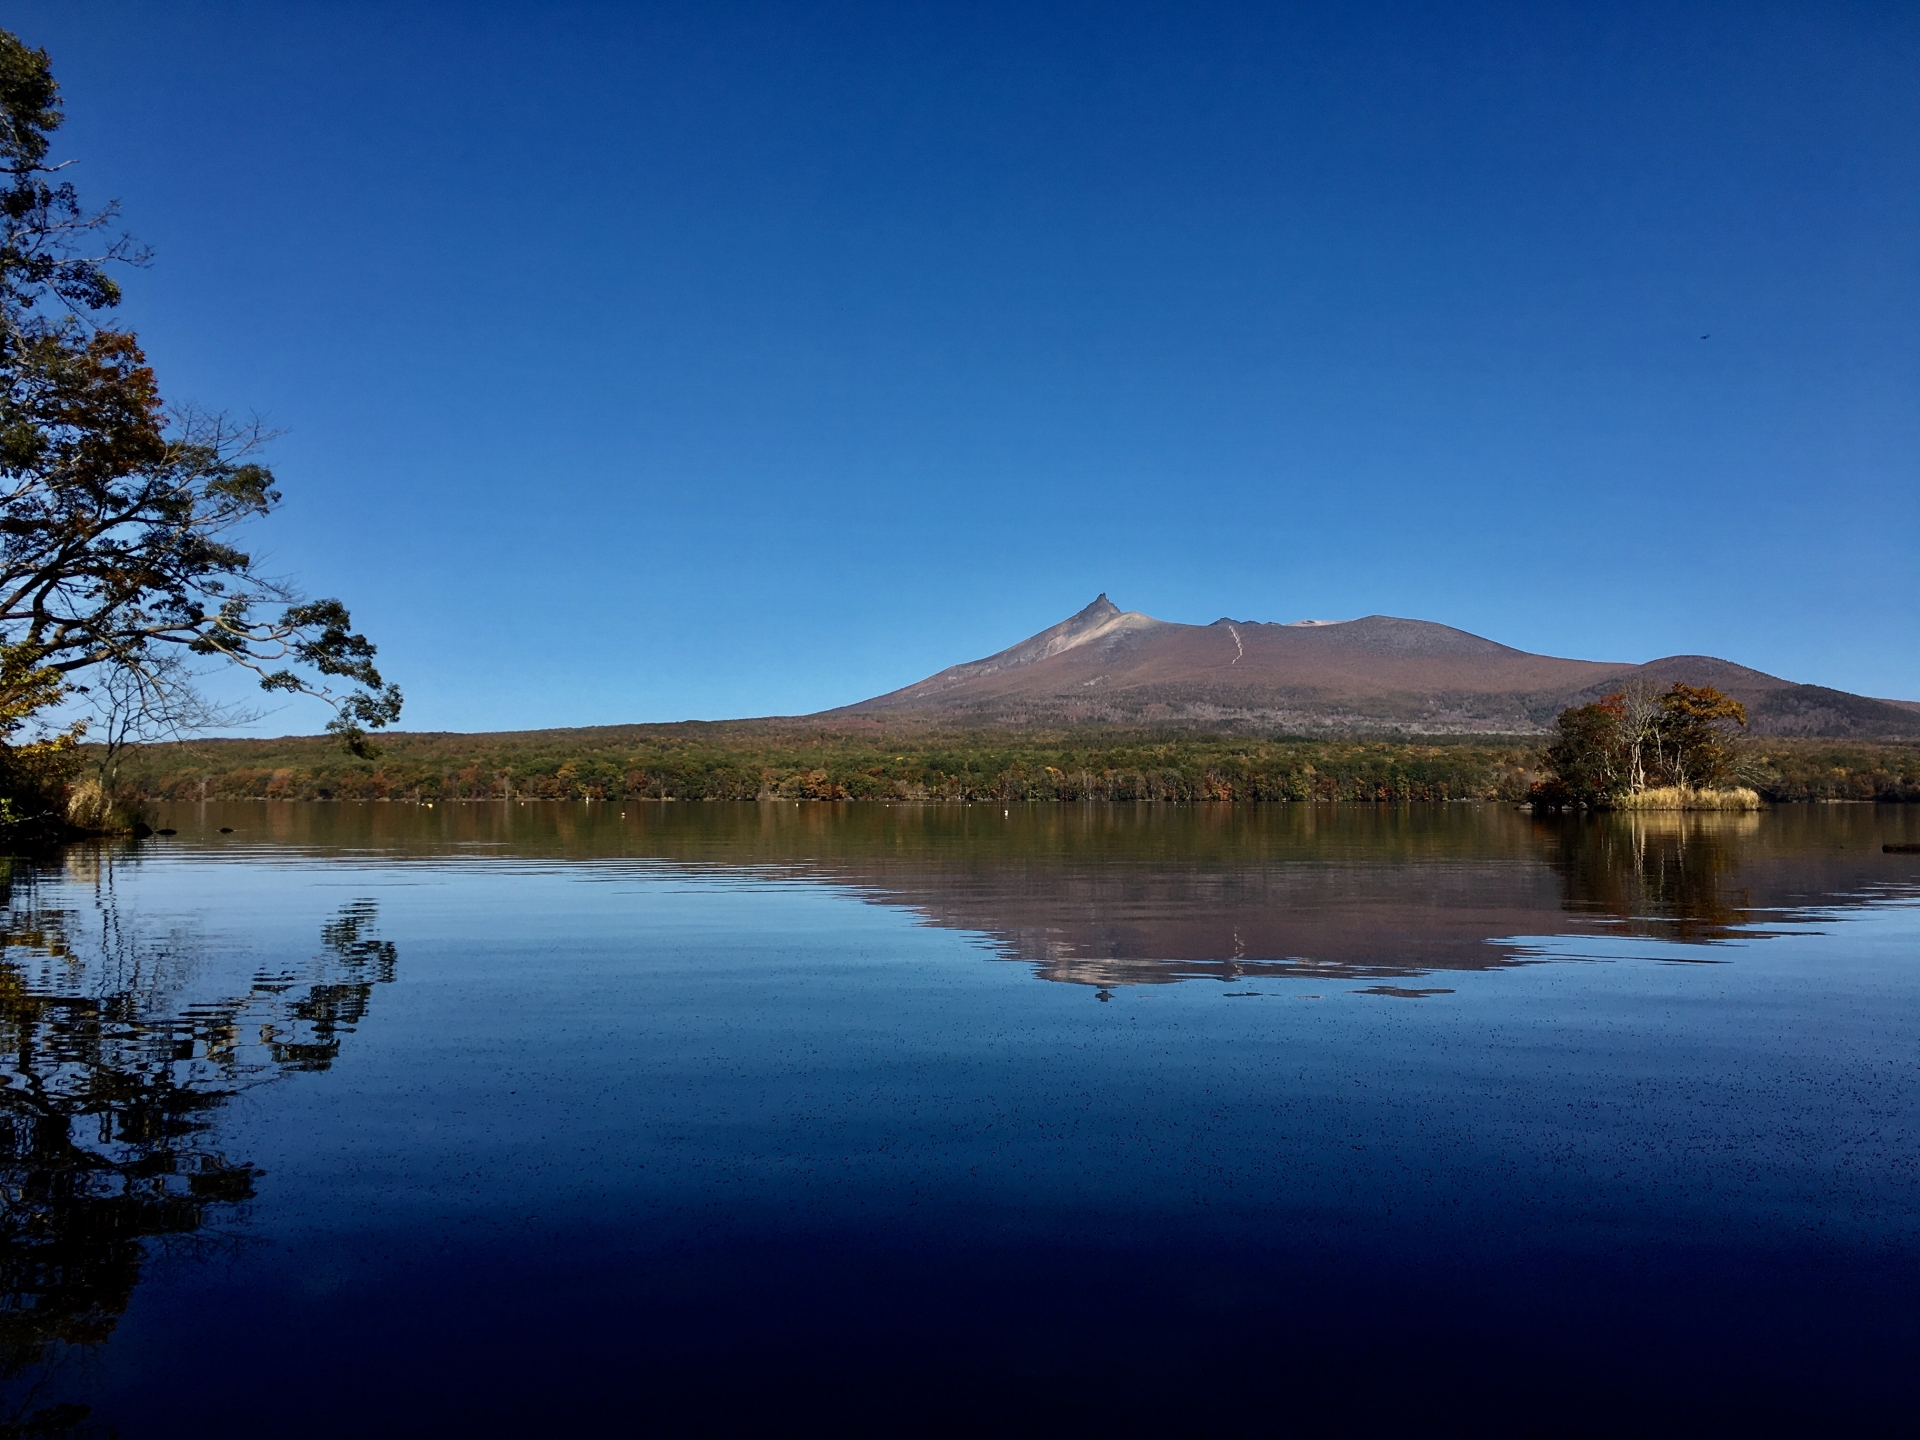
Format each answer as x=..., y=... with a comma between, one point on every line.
x=92, y=809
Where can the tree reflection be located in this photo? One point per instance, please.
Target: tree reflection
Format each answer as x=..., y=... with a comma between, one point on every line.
x=109, y=1083
x=1665, y=875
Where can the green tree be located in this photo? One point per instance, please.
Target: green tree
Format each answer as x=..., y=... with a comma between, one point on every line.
x=117, y=514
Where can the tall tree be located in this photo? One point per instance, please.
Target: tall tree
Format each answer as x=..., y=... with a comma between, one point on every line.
x=1693, y=736
x=118, y=515
x=1589, y=758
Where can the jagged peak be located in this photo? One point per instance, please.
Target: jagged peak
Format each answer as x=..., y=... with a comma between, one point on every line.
x=1098, y=620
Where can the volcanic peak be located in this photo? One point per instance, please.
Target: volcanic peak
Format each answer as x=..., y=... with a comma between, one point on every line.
x=1379, y=673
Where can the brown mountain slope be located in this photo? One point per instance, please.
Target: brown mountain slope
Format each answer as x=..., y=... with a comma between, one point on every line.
x=1373, y=674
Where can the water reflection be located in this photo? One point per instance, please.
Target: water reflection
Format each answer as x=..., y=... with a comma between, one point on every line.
x=1114, y=895
x=109, y=1082
x=700, y=1089
x=1674, y=876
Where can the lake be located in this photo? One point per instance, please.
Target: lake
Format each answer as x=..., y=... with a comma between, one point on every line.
x=582, y=1118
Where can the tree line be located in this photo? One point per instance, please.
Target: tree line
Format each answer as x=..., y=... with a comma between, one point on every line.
x=740, y=763
x=779, y=760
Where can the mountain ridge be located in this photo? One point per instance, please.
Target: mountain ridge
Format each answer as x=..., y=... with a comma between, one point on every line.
x=1374, y=674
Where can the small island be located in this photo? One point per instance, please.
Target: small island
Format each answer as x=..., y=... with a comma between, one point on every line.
x=1638, y=750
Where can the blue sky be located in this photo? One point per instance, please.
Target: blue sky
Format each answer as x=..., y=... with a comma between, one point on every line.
x=648, y=363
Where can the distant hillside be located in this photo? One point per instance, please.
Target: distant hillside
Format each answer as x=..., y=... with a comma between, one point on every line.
x=1379, y=674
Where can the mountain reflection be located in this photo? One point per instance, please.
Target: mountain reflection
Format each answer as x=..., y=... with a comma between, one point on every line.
x=1119, y=895
x=1385, y=894
x=110, y=1081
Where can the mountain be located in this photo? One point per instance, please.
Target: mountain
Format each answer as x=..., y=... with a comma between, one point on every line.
x=1375, y=674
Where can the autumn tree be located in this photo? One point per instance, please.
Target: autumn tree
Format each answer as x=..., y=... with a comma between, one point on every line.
x=1588, y=758
x=1693, y=745
x=118, y=515
x=1635, y=740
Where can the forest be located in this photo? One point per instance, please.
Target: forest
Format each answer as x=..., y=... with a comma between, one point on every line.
x=745, y=760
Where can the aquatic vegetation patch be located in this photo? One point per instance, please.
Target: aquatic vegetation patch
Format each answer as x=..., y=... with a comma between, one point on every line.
x=1686, y=797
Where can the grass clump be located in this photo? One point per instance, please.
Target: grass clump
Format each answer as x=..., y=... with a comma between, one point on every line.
x=1686, y=797
x=94, y=810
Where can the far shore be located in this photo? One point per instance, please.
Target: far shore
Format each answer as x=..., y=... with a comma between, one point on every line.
x=996, y=765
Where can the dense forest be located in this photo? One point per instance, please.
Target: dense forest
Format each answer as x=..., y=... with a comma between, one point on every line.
x=794, y=760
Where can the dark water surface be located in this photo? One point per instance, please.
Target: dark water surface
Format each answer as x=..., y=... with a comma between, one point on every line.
x=550, y=1119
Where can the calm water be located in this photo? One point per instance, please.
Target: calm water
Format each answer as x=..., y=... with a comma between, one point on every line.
x=552, y=1119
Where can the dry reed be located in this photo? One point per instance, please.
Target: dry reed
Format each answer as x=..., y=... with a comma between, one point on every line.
x=1685, y=797
x=91, y=808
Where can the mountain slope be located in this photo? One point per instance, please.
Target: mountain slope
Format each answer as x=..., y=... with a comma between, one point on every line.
x=1379, y=673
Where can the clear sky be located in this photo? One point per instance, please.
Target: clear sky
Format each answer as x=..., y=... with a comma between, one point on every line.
x=646, y=363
